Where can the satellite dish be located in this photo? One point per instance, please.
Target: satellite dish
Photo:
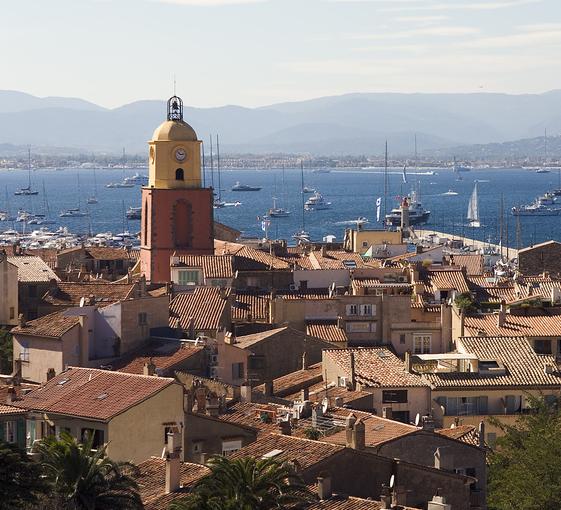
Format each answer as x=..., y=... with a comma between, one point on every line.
x=392, y=481
x=417, y=420
x=82, y=302
x=324, y=405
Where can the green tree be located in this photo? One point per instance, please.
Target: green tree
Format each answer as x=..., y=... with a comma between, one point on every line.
x=246, y=484
x=6, y=354
x=465, y=302
x=525, y=468
x=86, y=479
x=20, y=478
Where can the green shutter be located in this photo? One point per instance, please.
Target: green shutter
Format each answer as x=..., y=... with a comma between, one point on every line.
x=21, y=433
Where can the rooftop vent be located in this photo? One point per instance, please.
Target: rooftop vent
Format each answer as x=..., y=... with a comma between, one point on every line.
x=62, y=382
x=272, y=454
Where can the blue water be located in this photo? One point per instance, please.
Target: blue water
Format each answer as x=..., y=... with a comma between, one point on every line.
x=352, y=192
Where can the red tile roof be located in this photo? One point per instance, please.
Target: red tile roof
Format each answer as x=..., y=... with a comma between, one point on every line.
x=374, y=367
x=53, y=325
x=165, y=357
x=204, y=304
x=465, y=433
x=541, y=322
x=103, y=252
x=249, y=414
x=213, y=266
x=251, y=304
x=70, y=293
x=327, y=330
x=473, y=264
x=32, y=269
x=151, y=480
x=92, y=393
x=9, y=410
x=295, y=381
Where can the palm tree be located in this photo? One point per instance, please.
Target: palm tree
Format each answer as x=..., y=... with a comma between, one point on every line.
x=247, y=484
x=86, y=479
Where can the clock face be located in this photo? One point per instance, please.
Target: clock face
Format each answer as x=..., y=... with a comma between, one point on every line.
x=180, y=154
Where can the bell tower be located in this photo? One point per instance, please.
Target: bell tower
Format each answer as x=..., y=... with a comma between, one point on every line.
x=177, y=212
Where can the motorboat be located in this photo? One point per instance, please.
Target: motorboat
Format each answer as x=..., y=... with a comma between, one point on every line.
x=120, y=185
x=543, y=171
x=316, y=203
x=302, y=236
x=536, y=209
x=136, y=179
x=321, y=171
x=417, y=213
x=134, y=213
x=306, y=189
x=73, y=213
x=244, y=187
x=91, y=200
x=450, y=193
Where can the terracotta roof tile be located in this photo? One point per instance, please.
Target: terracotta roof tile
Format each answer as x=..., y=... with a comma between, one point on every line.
x=251, y=304
x=70, y=293
x=249, y=414
x=92, y=393
x=151, y=480
x=295, y=381
x=447, y=278
x=327, y=330
x=465, y=433
x=303, y=294
x=213, y=266
x=317, y=393
x=473, y=264
x=53, y=325
x=377, y=430
x=164, y=356
x=344, y=502
x=104, y=252
x=542, y=322
x=307, y=452
x=523, y=367
x=204, y=304
x=6, y=409
x=374, y=367
x=32, y=269
x=335, y=259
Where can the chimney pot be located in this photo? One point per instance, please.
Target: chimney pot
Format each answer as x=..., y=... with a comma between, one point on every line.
x=285, y=428
x=22, y=323
x=245, y=393
x=359, y=435
x=11, y=395
x=50, y=373
x=149, y=367
x=408, y=364
x=324, y=486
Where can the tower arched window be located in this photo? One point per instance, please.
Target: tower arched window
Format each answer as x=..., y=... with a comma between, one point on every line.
x=179, y=174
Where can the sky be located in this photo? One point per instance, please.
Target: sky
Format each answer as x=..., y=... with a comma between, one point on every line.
x=259, y=52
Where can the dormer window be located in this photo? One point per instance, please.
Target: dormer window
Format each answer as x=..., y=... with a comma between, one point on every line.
x=179, y=175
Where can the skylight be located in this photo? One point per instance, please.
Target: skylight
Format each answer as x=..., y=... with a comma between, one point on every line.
x=271, y=454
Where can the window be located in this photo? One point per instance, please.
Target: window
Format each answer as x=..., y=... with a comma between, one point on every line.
x=24, y=353
x=394, y=396
x=402, y=338
x=465, y=406
x=352, y=309
x=229, y=447
x=142, y=319
x=98, y=437
x=421, y=344
x=12, y=312
x=11, y=432
x=179, y=174
x=256, y=362
x=119, y=264
x=542, y=346
x=366, y=309
x=188, y=277
x=365, y=244
x=237, y=371
x=341, y=382
x=32, y=291
x=360, y=327
x=402, y=416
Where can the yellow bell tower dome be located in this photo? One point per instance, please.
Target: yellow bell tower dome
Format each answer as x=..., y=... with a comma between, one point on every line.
x=175, y=152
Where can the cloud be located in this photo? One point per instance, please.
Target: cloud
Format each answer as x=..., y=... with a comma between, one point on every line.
x=440, y=31
x=210, y=3
x=471, y=6
x=422, y=19
x=532, y=36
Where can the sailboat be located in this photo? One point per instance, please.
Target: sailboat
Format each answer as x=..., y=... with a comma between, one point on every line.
x=42, y=219
x=27, y=190
x=93, y=198
x=279, y=212
x=74, y=212
x=218, y=202
x=473, y=209
x=302, y=236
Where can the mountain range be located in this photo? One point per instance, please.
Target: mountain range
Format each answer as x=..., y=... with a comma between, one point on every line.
x=349, y=124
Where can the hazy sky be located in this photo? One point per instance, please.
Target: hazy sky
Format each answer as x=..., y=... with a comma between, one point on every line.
x=256, y=52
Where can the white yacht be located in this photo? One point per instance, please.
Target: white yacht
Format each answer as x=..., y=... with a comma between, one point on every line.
x=417, y=213
x=316, y=203
x=277, y=212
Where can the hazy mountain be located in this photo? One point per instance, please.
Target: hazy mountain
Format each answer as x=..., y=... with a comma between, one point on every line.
x=347, y=124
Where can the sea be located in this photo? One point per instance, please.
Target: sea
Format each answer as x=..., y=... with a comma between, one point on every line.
x=353, y=193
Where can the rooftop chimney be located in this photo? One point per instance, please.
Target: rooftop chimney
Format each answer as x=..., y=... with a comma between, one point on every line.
x=481, y=434
x=268, y=388
x=324, y=486
x=444, y=459
x=438, y=503
x=173, y=464
x=22, y=323
x=462, y=322
x=349, y=426
x=353, y=371
x=245, y=393
x=386, y=497
x=304, y=360
x=359, y=435
x=11, y=395
x=428, y=423
x=407, y=360
x=501, y=317
x=285, y=428
x=50, y=373
x=149, y=367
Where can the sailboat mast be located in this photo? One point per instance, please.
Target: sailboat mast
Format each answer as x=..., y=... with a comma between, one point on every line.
x=29, y=167
x=218, y=169
x=211, y=165
x=385, y=181
x=302, y=193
